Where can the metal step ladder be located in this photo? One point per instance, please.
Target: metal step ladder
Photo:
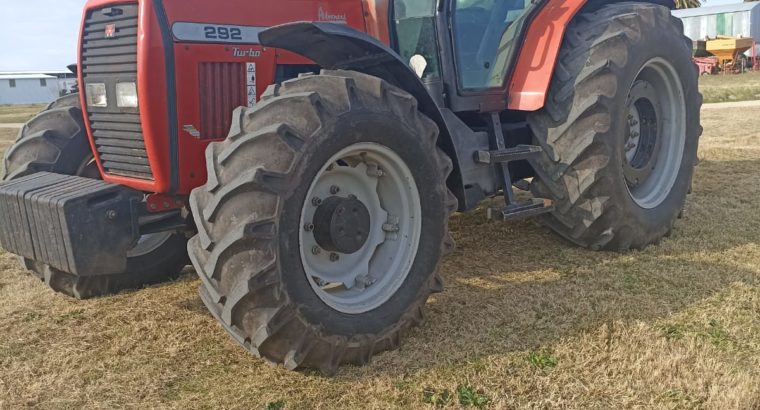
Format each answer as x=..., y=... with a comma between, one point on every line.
x=500, y=156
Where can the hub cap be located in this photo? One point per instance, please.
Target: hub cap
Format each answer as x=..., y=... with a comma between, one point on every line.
x=361, y=224
x=654, y=146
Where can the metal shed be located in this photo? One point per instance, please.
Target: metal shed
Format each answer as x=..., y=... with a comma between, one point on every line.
x=28, y=88
x=735, y=20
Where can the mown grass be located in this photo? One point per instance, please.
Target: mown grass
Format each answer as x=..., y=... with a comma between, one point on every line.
x=527, y=320
x=19, y=113
x=730, y=88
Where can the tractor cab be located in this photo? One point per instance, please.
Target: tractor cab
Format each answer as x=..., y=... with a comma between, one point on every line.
x=473, y=57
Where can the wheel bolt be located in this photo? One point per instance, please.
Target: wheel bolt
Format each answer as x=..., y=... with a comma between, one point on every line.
x=316, y=201
x=334, y=189
x=308, y=227
x=334, y=257
x=316, y=250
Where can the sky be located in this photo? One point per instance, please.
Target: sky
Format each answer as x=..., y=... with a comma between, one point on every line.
x=42, y=34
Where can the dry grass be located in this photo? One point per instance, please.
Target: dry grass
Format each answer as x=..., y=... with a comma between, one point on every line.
x=18, y=113
x=527, y=320
x=7, y=136
x=726, y=88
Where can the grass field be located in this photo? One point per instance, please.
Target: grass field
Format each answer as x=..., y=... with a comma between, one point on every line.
x=527, y=320
x=725, y=88
x=18, y=113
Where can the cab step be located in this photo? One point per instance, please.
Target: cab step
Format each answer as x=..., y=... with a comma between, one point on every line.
x=521, y=210
x=501, y=156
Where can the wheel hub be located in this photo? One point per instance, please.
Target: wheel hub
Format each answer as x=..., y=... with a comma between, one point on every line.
x=642, y=145
x=358, y=244
x=341, y=224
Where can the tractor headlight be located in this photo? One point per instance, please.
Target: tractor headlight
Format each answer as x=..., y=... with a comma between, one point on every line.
x=96, y=95
x=126, y=95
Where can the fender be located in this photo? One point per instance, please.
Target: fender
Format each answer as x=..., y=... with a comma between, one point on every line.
x=338, y=47
x=537, y=59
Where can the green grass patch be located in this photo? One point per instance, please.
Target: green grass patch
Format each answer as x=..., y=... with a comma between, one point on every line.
x=470, y=397
x=716, y=334
x=438, y=398
x=275, y=405
x=542, y=359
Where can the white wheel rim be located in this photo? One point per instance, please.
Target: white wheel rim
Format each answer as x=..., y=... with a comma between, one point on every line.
x=363, y=281
x=669, y=102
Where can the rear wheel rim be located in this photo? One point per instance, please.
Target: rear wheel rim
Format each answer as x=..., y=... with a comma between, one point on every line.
x=654, y=146
x=354, y=283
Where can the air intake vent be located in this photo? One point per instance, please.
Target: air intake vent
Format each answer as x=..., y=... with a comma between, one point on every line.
x=222, y=89
x=109, y=56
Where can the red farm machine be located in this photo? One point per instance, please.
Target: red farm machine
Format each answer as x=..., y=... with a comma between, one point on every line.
x=305, y=155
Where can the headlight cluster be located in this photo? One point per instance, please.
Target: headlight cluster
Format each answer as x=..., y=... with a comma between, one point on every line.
x=126, y=95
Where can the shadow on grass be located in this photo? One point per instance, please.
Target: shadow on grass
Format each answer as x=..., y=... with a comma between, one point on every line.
x=517, y=287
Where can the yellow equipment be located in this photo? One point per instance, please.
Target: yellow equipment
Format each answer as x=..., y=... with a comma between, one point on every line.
x=729, y=50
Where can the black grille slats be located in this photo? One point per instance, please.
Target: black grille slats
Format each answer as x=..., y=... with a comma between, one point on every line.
x=117, y=132
x=120, y=144
x=117, y=55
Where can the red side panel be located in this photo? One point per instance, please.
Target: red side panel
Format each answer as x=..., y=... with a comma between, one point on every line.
x=538, y=56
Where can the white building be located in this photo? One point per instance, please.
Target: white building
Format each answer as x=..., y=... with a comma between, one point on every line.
x=34, y=87
x=735, y=20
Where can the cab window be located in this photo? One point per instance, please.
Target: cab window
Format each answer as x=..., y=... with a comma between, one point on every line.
x=485, y=35
x=416, y=35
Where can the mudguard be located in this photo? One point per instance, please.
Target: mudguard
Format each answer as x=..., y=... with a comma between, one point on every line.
x=338, y=47
x=537, y=58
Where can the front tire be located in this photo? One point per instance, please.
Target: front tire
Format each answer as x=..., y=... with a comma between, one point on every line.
x=56, y=141
x=620, y=128
x=265, y=274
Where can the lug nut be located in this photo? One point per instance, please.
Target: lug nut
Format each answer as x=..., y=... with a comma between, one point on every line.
x=334, y=189
x=111, y=214
x=316, y=201
x=316, y=250
x=308, y=227
x=334, y=257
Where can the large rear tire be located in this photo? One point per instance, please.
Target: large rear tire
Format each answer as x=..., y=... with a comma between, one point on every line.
x=620, y=128
x=313, y=145
x=56, y=141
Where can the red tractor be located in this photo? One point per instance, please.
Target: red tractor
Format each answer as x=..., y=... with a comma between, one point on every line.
x=307, y=154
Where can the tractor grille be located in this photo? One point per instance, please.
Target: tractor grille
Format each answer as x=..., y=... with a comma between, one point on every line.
x=111, y=59
x=222, y=89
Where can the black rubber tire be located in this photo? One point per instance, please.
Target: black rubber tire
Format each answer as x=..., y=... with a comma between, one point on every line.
x=248, y=217
x=585, y=116
x=55, y=140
